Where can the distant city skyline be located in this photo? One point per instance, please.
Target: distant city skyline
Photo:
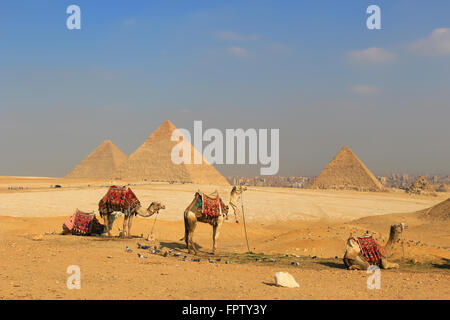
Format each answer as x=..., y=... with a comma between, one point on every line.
x=311, y=69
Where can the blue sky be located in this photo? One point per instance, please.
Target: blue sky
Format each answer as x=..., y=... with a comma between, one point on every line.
x=310, y=68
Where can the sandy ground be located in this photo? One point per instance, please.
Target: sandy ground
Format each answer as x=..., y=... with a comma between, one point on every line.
x=305, y=226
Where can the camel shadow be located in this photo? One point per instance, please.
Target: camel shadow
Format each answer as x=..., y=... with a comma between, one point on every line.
x=177, y=245
x=333, y=264
x=442, y=266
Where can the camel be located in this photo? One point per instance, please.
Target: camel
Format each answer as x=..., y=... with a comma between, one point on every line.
x=194, y=213
x=235, y=198
x=354, y=259
x=120, y=200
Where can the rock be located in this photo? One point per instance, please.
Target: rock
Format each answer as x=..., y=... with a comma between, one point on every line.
x=165, y=254
x=284, y=279
x=141, y=256
x=210, y=261
x=227, y=262
x=176, y=254
x=128, y=249
x=272, y=260
x=39, y=237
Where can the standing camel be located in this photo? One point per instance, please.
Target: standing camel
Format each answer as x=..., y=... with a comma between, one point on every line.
x=355, y=259
x=207, y=209
x=121, y=199
x=235, y=199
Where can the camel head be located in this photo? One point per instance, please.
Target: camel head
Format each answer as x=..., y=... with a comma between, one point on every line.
x=394, y=236
x=153, y=208
x=239, y=189
x=396, y=230
x=353, y=248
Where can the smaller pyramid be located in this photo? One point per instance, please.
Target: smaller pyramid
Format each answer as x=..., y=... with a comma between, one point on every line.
x=102, y=163
x=421, y=186
x=346, y=172
x=440, y=211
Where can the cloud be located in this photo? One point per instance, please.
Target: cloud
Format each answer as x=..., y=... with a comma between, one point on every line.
x=230, y=35
x=372, y=55
x=365, y=90
x=437, y=43
x=237, y=51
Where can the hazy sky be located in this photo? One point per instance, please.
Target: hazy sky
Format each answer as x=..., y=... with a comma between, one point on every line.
x=310, y=68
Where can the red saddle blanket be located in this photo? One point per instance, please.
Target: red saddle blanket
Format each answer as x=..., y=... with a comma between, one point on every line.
x=213, y=207
x=79, y=222
x=371, y=250
x=118, y=199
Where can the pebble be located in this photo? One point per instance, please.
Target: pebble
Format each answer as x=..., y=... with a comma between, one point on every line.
x=227, y=262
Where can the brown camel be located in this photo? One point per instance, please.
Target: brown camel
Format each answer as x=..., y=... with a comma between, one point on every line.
x=194, y=213
x=354, y=259
x=122, y=199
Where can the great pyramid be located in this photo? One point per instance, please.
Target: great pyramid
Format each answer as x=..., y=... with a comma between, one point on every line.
x=346, y=172
x=152, y=161
x=102, y=163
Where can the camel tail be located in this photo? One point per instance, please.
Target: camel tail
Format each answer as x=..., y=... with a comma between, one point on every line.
x=186, y=227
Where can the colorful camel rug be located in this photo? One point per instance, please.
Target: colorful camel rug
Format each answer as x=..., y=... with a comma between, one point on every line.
x=213, y=207
x=371, y=250
x=118, y=199
x=79, y=222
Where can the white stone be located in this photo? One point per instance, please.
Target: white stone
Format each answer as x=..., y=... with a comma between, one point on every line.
x=284, y=279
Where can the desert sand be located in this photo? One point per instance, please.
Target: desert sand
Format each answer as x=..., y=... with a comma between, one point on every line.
x=287, y=225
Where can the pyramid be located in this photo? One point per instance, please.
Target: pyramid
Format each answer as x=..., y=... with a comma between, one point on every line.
x=102, y=163
x=346, y=172
x=421, y=186
x=152, y=161
x=440, y=211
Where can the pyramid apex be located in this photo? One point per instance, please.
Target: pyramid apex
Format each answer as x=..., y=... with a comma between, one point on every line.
x=167, y=123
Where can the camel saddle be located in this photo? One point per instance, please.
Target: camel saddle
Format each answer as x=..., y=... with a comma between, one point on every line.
x=370, y=249
x=212, y=205
x=118, y=199
x=83, y=223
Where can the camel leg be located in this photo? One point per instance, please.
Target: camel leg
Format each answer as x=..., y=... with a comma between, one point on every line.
x=130, y=222
x=106, y=220
x=388, y=265
x=235, y=210
x=125, y=220
x=357, y=264
x=216, y=232
x=192, y=225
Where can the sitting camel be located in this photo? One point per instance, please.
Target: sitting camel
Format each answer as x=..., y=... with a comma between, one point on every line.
x=355, y=259
x=120, y=199
x=207, y=209
x=235, y=198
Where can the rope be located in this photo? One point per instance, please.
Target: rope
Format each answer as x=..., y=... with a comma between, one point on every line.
x=153, y=227
x=243, y=218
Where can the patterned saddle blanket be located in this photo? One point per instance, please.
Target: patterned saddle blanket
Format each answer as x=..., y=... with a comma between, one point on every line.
x=118, y=199
x=82, y=223
x=371, y=250
x=211, y=206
